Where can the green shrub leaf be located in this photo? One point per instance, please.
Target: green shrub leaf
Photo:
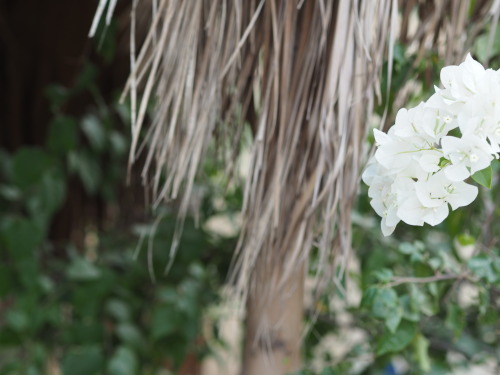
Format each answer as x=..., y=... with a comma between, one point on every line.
x=394, y=342
x=483, y=177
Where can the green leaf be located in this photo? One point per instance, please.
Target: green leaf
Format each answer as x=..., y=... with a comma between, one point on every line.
x=17, y=320
x=87, y=360
x=86, y=79
x=443, y=162
x=82, y=270
x=63, y=136
x=94, y=132
x=392, y=321
x=421, y=301
x=130, y=335
x=482, y=266
x=57, y=96
x=397, y=341
x=465, y=239
x=7, y=279
x=368, y=297
x=435, y=263
x=165, y=321
x=10, y=192
x=119, y=144
x=422, y=352
x=414, y=250
x=410, y=311
x=88, y=169
x=21, y=237
x=455, y=319
x=385, y=302
x=28, y=167
x=483, y=177
x=407, y=248
x=47, y=198
x=384, y=275
x=118, y=309
x=123, y=362
x=386, y=305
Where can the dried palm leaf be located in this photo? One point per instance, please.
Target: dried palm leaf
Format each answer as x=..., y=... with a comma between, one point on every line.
x=304, y=75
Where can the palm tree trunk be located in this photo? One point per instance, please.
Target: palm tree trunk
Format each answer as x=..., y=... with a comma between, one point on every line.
x=274, y=324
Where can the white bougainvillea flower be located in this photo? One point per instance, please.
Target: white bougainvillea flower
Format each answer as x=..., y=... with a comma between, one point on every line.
x=430, y=202
x=429, y=160
x=424, y=125
x=440, y=118
x=460, y=194
x=462, y=81
x=468, y=155
x=439, y=190
x=485, y=127
x=408, y=125
x=384, y=202
x=410, y=146
x=420, y=165
x=373, y=169
x=413, y=212
x=493, y=136
x=393, y=153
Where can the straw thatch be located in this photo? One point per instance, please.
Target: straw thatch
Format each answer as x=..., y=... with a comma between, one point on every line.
x=301, y=73
x=305, y=76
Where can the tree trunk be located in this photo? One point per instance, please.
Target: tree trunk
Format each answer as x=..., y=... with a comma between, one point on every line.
x=274, y=323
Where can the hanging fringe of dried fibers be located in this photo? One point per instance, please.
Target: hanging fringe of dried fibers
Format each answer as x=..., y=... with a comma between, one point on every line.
x=304, y=75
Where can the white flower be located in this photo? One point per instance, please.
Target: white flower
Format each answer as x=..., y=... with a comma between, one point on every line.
x=413, y=212
x=468, y=155
x=462, y=81
x=410, y=146
x=372, y=170
x=384, y=202
x=493, y=135
x=429, y=160
x=425, y=124
x=441, y=117
x=428, y=201
x=419, y=168
x=438, y=190
x=392, y=152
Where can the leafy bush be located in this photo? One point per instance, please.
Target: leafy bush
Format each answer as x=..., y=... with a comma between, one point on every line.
x=95, y=309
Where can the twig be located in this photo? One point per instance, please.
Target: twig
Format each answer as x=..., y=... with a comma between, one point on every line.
x=420, y=280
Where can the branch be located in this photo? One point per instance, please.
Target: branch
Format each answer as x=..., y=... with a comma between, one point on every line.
x=421, y=280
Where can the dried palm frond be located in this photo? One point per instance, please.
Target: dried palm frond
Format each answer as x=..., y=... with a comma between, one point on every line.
x=304, y=75
x=301, y=73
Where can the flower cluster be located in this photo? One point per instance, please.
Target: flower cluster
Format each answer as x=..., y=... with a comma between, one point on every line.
x=420, y=165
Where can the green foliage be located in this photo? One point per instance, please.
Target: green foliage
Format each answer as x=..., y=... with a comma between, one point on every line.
x=483, y=177
x=428, y=295
x=96, y=310
x=397, y=340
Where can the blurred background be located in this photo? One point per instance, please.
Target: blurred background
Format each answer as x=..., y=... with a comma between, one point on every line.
x=83, y=287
